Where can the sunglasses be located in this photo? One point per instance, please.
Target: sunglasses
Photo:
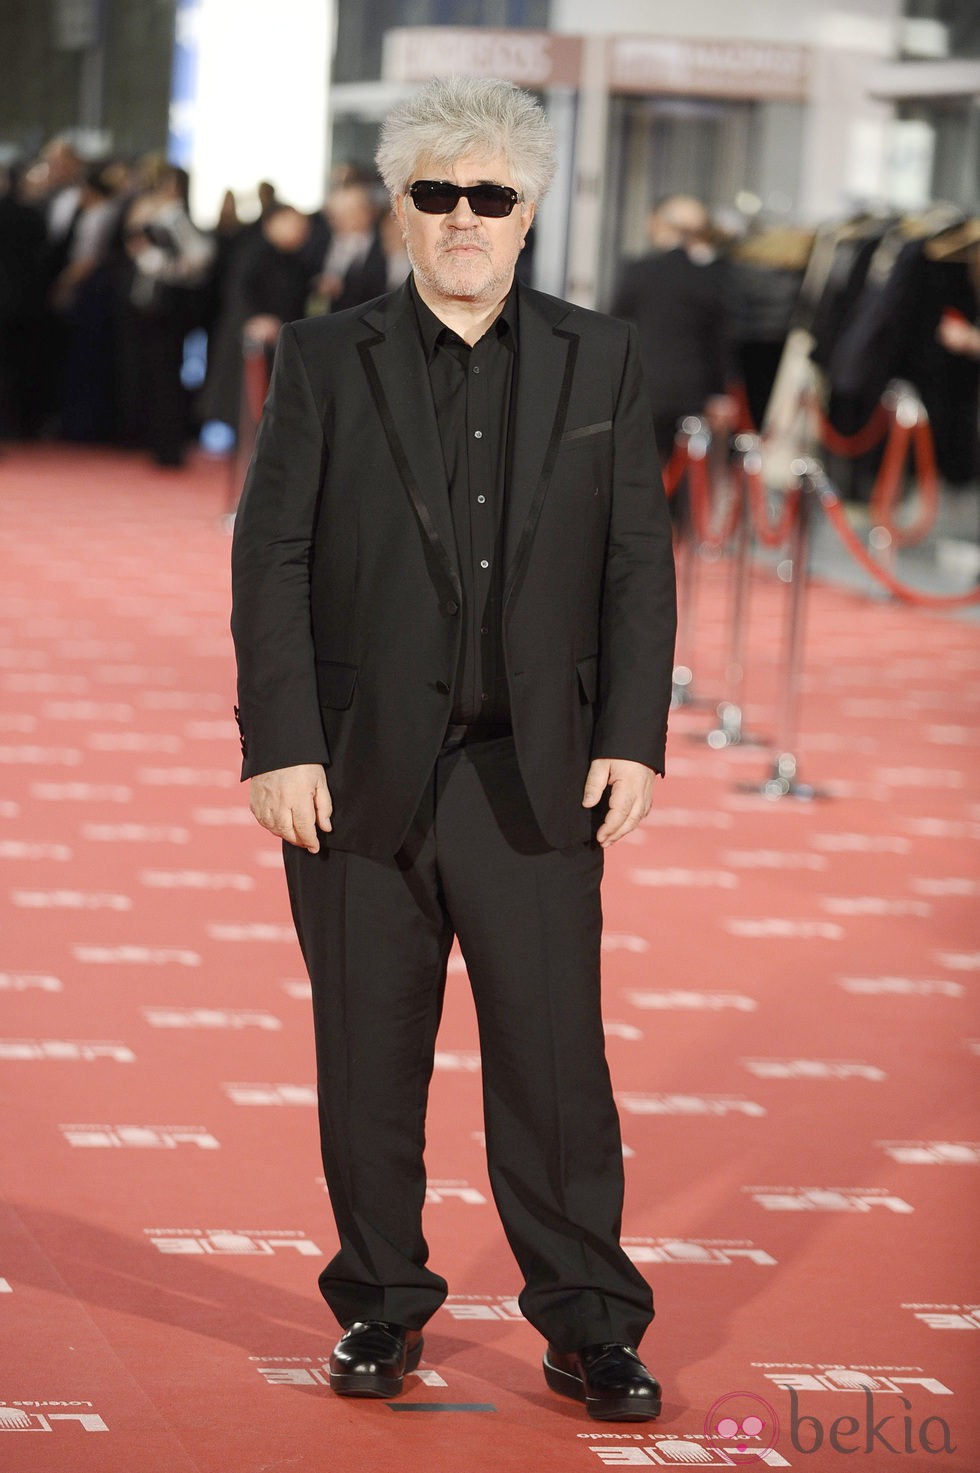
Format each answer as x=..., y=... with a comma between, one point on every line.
x=438, y=197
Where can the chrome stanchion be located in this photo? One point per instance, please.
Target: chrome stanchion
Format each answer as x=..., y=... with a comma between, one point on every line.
x=730, y=731
x=783, y=779
x=903, y=402
x=682, y=694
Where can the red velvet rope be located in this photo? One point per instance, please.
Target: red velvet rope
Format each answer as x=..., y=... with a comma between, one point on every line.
x=851, y=446
x=838, y=519
x=885, y=493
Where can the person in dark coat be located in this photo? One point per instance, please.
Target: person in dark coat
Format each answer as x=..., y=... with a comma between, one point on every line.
x=677, y=297
x=167, y=267
x=354, y=266
x=268, y=283
x=22, y=289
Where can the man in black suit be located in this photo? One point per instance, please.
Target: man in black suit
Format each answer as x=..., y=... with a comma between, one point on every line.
x=454, y=614
x=354, y=266
x=677, y=298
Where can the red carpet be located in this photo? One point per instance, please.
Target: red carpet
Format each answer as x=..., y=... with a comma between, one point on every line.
x=792, y=1031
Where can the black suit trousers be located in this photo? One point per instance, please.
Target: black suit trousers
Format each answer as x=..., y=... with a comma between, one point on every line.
x=376, y=936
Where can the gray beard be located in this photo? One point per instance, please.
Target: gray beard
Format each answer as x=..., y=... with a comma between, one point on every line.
x=449, y=280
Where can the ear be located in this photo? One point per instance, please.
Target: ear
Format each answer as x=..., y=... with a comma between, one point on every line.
x=398, y=210
x=527, y=215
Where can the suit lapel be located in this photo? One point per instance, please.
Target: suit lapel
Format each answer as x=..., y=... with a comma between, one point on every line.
x=395, y=366
x=544, y=376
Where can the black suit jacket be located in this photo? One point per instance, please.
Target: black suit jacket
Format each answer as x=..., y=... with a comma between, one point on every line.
x=680, y=309
x=346, y=589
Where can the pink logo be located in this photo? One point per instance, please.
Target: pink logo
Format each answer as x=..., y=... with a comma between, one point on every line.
x=744, y=1420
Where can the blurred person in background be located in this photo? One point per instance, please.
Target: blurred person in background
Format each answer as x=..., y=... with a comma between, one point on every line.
x=354, y=268
x=766, y=271
x=267, y=283
x=168, y=261
x=83, y=296
x=921, y=283
x=677, y=296
x=53, y=183
x=22, y=290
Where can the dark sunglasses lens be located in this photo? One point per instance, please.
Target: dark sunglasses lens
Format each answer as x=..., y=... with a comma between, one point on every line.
x=495, y=200
x=434, y=199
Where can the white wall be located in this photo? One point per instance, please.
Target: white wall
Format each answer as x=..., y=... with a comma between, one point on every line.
x=260, y=104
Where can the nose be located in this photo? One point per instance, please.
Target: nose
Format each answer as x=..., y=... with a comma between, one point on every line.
x=463, y=216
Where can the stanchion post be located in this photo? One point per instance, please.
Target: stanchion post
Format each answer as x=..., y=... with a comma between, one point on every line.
x=730, y=731
x=907, y=409
x=783, y=779
x=682, y=694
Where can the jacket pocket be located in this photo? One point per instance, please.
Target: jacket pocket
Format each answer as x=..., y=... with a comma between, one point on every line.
x=335, y=683
x=588, y=678
x=600, y=427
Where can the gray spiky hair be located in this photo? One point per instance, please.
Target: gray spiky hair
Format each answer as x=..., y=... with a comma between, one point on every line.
x=451, y=117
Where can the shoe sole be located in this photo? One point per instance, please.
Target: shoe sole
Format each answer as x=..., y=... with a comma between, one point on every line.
x=629, y=1409
x=355, y=1383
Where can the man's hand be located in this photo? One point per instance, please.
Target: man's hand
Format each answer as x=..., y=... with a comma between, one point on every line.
x=291, y=802
x=630, y=796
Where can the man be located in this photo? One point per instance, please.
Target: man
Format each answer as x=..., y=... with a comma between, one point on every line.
x=354, y=268
x=676, y=297
x=453, y=587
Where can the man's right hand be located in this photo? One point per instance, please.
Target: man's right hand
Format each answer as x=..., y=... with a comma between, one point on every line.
x=291, y=802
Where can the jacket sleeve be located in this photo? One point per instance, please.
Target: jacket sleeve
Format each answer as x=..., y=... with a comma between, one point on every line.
x=278, y=711
x=639, y=613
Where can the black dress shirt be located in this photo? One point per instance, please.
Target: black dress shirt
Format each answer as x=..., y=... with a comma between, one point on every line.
x=472, y=390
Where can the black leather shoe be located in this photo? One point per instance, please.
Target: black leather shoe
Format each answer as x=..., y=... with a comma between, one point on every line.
x=611, y=1379
x=371, y=1357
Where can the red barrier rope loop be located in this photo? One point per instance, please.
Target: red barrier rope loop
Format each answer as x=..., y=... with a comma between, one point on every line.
x=850, y=447
x=831, y=504
x=910, y=429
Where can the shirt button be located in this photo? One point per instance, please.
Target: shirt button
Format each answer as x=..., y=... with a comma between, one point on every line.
x=476, y=368
x=484, y=563
x=481, y=499
x=478, y=434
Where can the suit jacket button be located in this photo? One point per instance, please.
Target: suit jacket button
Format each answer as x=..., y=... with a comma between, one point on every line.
x=452, y=607
x=442, y=687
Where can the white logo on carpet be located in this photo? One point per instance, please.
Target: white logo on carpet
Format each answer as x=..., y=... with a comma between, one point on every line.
x=231, y=1243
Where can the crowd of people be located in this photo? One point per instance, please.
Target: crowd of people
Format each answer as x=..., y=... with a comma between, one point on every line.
x=104, y=276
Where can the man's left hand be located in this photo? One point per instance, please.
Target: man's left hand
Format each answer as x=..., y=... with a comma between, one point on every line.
x=630, y=787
